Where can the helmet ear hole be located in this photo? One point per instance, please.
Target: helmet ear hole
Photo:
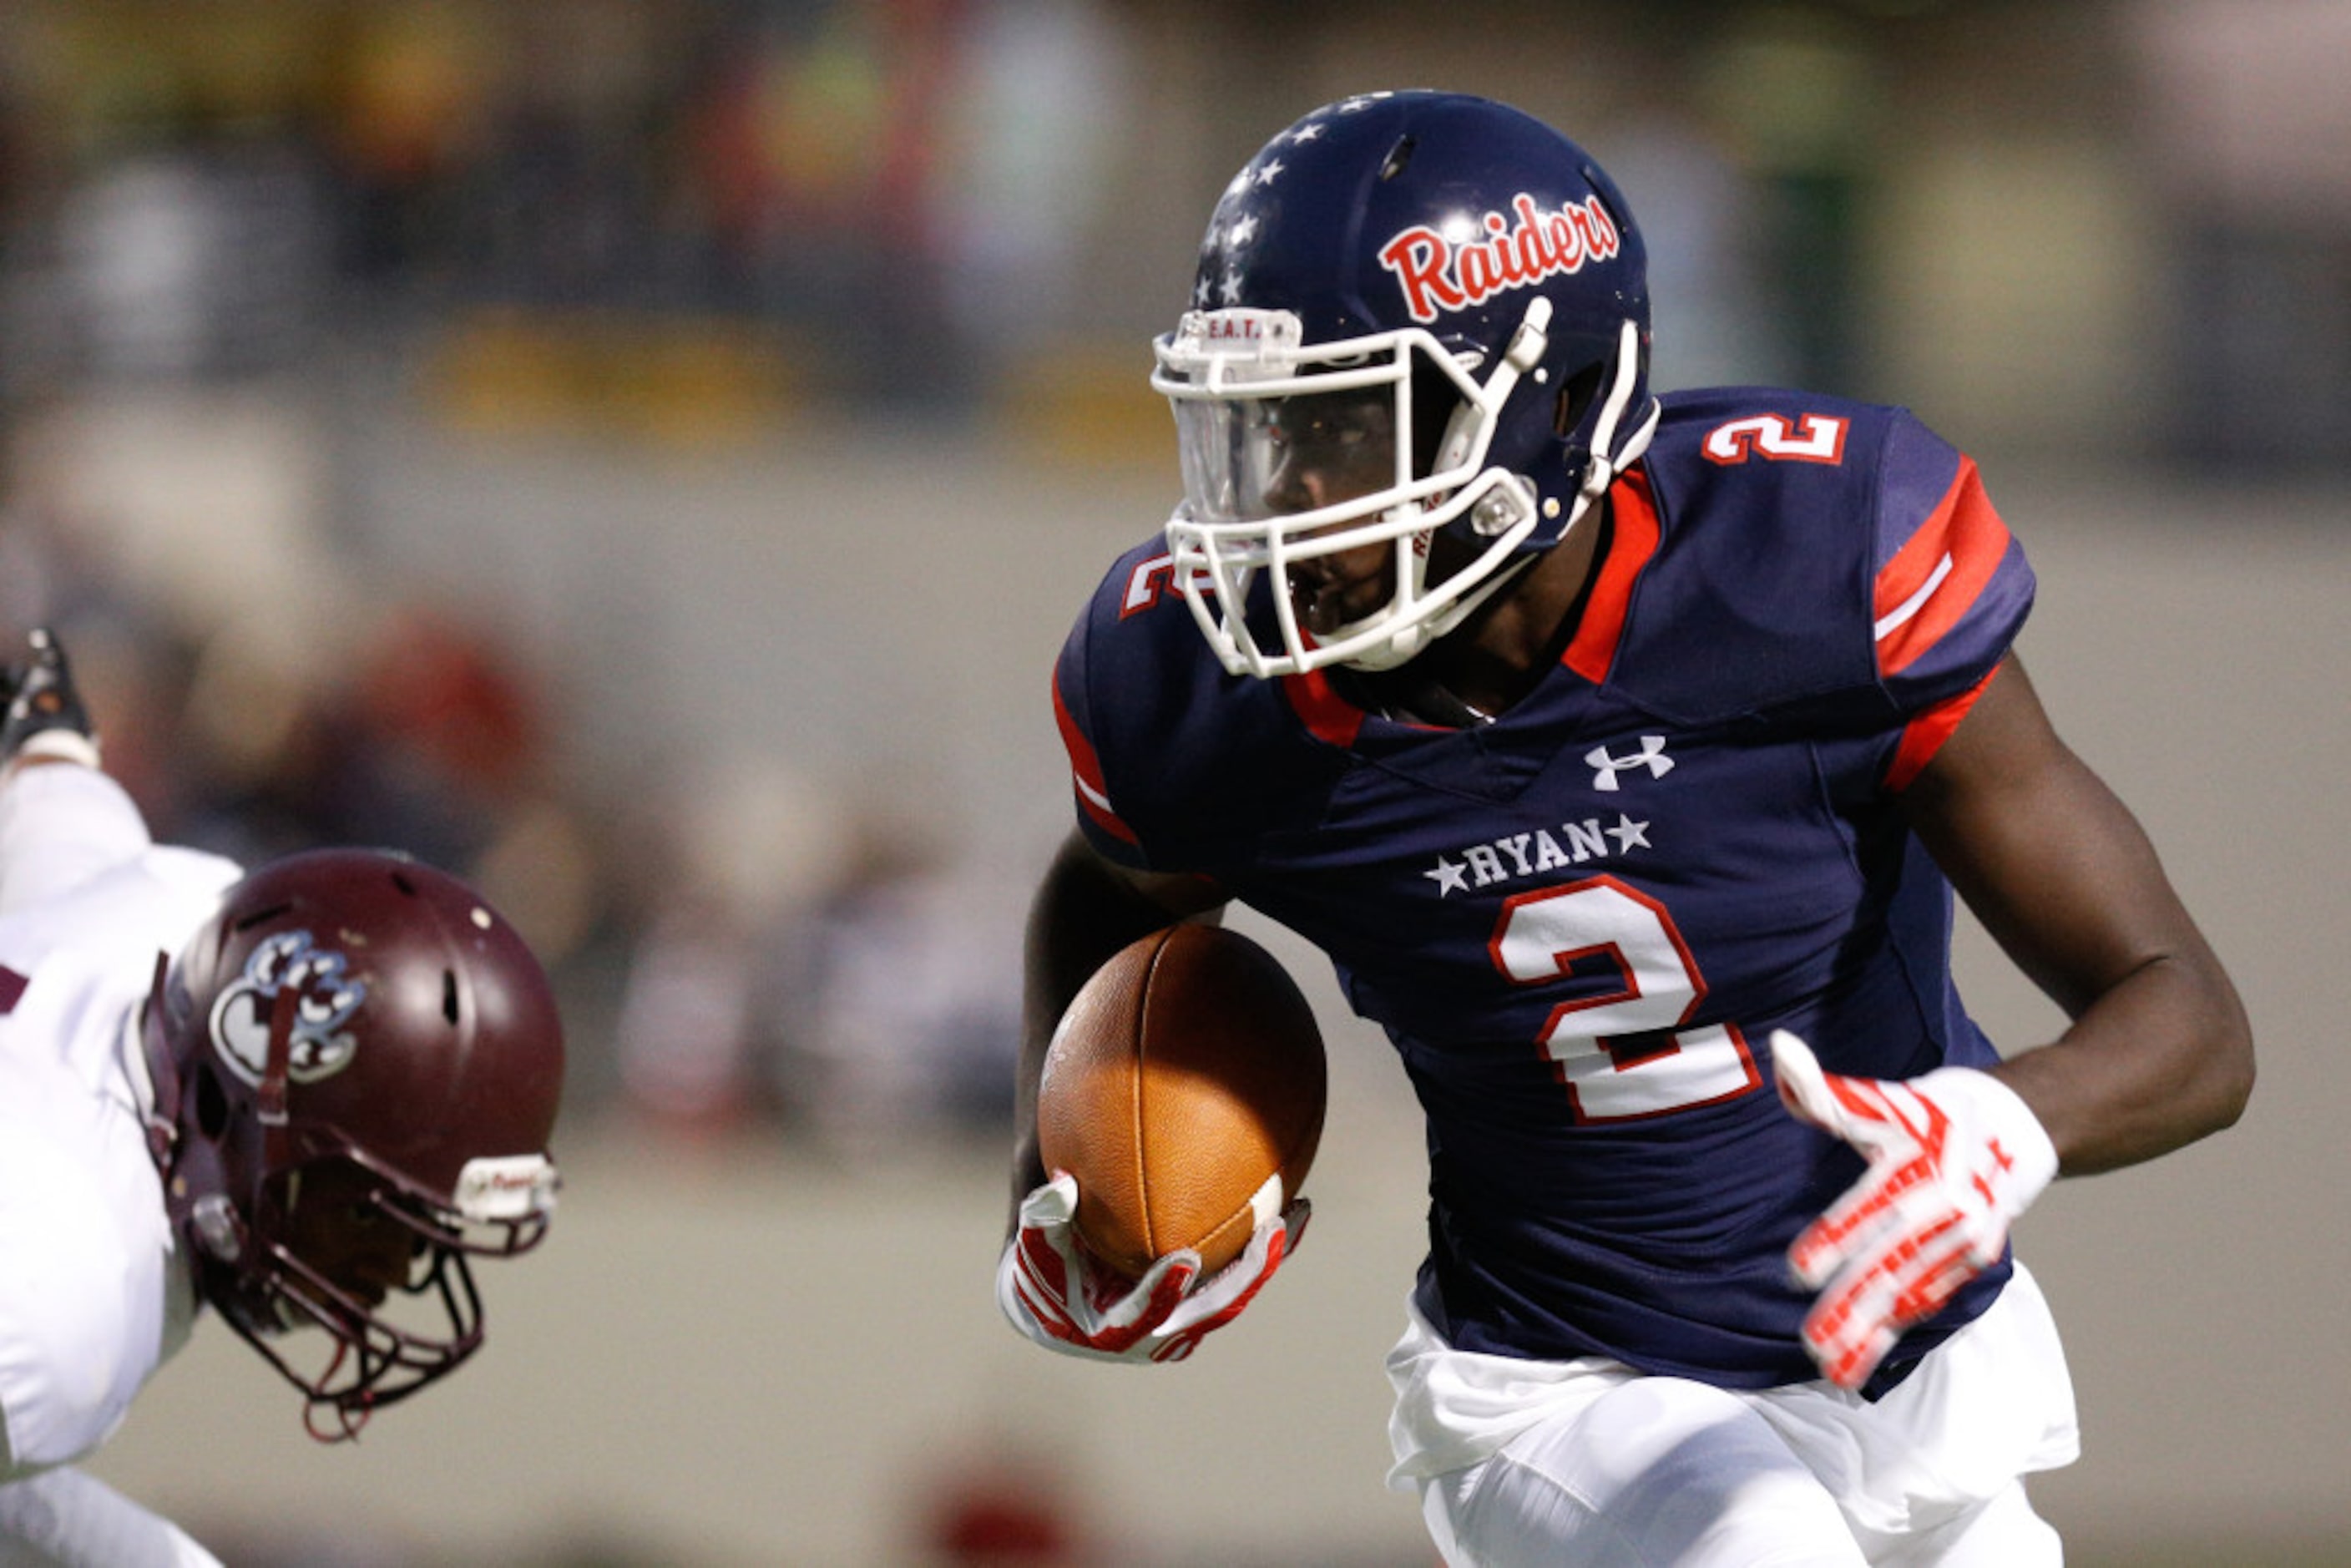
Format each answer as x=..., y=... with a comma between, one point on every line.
x=1575, y=398
x=1437, y=407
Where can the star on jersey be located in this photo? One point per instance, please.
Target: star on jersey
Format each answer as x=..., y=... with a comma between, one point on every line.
x=1529, y=853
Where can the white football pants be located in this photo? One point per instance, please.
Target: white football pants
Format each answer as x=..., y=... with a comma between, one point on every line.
x=1607, y=1467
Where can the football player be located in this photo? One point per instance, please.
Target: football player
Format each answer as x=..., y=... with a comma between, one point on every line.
x=1622, y=753
x=304, y=1097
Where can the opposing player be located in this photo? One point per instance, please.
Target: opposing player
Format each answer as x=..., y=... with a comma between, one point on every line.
x=303, y=1097
x=1623, y=754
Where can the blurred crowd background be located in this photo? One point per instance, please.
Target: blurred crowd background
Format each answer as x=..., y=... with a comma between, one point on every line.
x=642, y=456
x=264, y=266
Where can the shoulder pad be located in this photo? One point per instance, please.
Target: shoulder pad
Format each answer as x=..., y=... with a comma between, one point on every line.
x=1792, y=531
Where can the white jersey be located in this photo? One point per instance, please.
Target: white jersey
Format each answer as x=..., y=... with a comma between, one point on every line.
x=94, y=1295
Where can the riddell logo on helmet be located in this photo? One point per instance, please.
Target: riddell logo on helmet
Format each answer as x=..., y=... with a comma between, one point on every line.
x=1440, y=274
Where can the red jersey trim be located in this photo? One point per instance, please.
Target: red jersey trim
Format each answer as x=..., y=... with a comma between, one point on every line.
x=1328, y=716
x=1593, y=647
x=1085, y=773
x=1924, y=736
x=1935, y=579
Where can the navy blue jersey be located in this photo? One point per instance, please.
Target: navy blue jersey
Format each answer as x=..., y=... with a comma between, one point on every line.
x=1579, y=922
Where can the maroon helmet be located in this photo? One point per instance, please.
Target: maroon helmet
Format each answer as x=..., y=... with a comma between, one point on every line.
x=357, y=1066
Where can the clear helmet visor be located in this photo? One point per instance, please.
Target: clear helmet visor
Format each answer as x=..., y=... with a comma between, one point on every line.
x=1249, y=459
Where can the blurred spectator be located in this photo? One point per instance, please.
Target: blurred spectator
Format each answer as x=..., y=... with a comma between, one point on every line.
x=2249, y=137
x=193, y=259
x=1796, y=91
x=689, y=1028
x=914, y=1002
x=816, y=965
x=816, y=134
x=1034, y=126
x=715, y=972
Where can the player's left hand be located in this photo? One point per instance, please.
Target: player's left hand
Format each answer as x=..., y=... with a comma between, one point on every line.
x=1052, y=1291
x=1954, y=1157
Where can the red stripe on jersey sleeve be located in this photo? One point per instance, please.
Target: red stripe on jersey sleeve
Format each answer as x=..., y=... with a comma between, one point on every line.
x=1593, y=647
x=1085, y=772
x=1924, y=735
x=1936, y=577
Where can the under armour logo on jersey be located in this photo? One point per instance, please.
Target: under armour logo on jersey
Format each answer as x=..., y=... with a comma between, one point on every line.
x=1604, y=767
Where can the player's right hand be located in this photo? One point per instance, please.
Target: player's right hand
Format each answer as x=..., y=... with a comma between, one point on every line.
x=1054, y=1293
x=1954, y=1157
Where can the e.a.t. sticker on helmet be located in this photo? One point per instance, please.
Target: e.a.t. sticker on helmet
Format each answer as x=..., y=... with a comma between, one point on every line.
x=326, y=996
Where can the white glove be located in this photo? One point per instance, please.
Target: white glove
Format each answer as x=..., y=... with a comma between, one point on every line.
x=1954, y=1157
x=1050, y=1292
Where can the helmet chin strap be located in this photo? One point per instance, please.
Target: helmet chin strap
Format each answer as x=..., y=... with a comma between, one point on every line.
x=269, y=1096
x=163, y=1112
x=1601, y=470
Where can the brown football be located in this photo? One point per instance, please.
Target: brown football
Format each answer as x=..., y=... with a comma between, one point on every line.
x=1185, y=1072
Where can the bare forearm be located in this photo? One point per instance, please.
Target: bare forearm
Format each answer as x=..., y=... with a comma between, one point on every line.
x=2158, y=1053
x=2157, y=1060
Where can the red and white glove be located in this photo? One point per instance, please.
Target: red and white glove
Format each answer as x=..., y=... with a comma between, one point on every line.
x=1053, y=1292
x=1954, y=1157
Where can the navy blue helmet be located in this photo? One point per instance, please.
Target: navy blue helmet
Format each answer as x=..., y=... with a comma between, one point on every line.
x=1420, y=318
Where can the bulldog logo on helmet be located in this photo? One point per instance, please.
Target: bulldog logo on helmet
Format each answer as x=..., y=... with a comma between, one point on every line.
x=326, y=999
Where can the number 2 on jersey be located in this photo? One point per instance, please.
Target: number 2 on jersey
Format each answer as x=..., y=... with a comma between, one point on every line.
x=1609, y=1077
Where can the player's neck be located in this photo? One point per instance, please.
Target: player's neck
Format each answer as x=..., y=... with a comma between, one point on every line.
x=1497, y=657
